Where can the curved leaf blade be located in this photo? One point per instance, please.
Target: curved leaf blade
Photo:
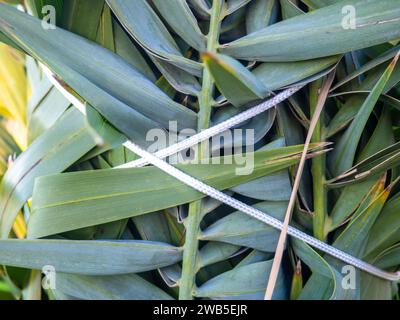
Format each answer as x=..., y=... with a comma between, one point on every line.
x=236, y=83
x=88, y=257
x=320, y=33
x=75, y=200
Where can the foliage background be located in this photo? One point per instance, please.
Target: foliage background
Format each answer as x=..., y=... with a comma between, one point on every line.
x=139, y=234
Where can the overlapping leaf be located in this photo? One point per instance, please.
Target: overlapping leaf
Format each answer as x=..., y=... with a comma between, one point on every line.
x=74, y=202
x=88, y=257
x=321, y=33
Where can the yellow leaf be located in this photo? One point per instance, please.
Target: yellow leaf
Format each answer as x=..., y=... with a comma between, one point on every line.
x=13, y=84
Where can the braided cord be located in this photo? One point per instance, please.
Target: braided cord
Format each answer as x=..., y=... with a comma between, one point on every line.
x=259, y=215
x=156, y=160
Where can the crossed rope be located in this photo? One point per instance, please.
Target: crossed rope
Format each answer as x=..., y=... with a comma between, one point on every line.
x=156, y=160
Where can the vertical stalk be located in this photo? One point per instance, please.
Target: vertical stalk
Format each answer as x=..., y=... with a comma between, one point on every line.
x=192, y=223
x=318, y=169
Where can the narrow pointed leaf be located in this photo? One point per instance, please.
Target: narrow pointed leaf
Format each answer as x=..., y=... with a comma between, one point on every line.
x=88, y=257
x=345, y=150
x=236, y=83
x=140, y=20
x=57, y=149
x=325, y=36
x=178, y=15
x=123, y=193
x=246, y=282
x=276, y=75
x=115, y=287
x=259, y=14
x=240, y=229
x=138, y=99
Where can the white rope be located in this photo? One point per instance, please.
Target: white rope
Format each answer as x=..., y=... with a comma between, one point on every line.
x=217, y=129
x=259, y=215
x=220, y=196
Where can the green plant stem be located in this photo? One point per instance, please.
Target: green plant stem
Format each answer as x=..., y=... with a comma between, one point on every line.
x=192, y=223
x=318, y=170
